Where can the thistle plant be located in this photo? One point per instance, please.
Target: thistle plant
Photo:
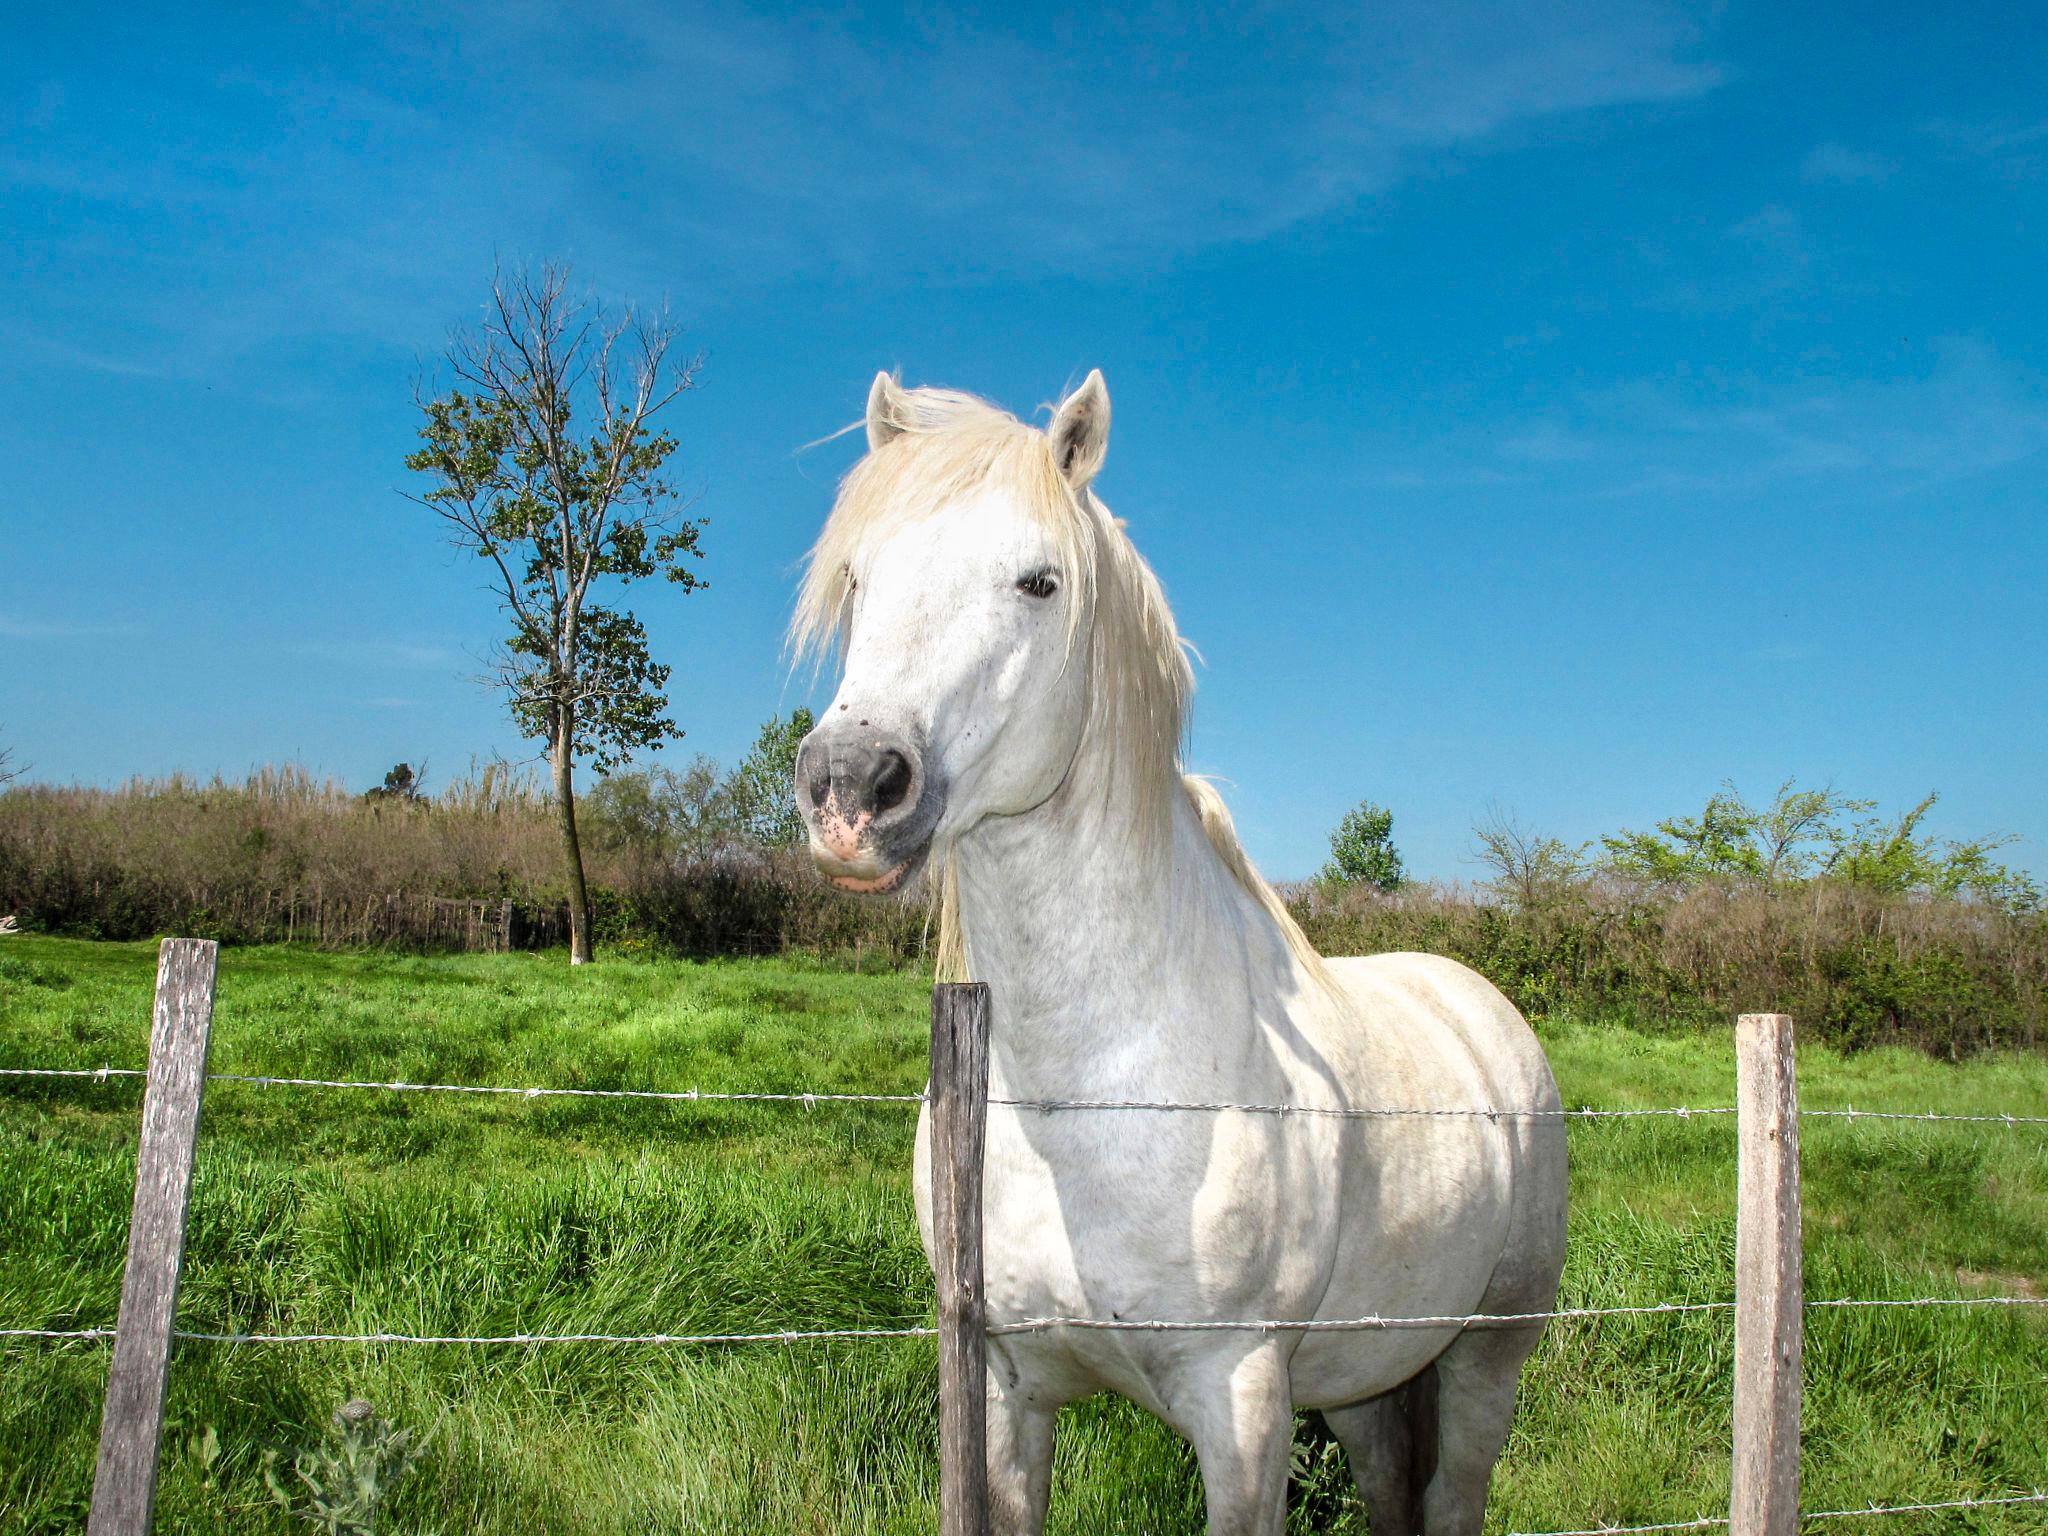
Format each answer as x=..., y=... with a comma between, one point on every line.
x=342, y=1484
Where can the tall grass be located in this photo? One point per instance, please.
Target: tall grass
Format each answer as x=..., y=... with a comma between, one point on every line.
x=376, y=1211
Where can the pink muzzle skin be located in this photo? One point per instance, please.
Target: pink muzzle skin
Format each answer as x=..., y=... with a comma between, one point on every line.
x=840, y=834
x=872, y=887
x=840, y=837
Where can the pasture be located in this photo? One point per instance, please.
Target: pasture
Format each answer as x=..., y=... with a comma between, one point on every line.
x=359, y=1212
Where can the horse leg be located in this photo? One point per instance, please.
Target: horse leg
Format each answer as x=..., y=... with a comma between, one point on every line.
x=1477, y=1377
x=1240, y=1417
x=1390, y=1442
x=1019, y=1459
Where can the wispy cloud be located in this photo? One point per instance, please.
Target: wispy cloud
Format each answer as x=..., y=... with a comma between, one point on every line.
x=397, y=655
x=1970, y=412
x=1842, y=166
x=1547, y=443
x=777, y=144
x=2013, y=152
x=15, y=626
x=856, y=148
x=1756, y=259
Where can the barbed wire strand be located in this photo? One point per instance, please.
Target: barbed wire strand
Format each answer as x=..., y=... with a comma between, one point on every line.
x=1934, y=1301
x=1335, y=1113
x=2036, y=1496
x=681, y=1096
x=1040, y=1325
x=779, y=1336
x=1699, y=1523
x=1347, y=1324
x=1471, y=1320
x=695, y=1095
x=1710, y=1522
x=1895, y=1114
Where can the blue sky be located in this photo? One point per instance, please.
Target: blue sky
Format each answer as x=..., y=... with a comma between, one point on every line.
x=1560, y=407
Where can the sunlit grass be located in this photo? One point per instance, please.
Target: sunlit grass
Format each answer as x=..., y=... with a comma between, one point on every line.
x=358, y=1212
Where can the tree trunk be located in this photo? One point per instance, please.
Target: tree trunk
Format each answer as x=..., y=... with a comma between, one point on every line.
x=572, y=850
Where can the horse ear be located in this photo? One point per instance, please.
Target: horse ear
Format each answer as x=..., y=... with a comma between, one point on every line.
x=1080, y=431
x=885, y=410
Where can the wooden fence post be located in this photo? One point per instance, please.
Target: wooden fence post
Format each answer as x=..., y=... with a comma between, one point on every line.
x=1770, y=1292
x=959, y=1110
x=131, y=1425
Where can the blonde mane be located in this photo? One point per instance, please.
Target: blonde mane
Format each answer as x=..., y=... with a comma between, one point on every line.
x=949, y=445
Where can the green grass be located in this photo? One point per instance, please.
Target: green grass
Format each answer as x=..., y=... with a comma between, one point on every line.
x=359, y=1212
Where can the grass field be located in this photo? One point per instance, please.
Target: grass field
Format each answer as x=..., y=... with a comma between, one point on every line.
x=359, y=1212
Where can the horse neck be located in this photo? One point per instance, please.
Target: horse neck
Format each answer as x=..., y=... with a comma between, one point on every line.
x=1113, y=947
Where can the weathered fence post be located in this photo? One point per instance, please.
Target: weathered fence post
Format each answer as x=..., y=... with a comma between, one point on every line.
x=131, y=1426
x=1770, y=1293
x=959, y=1110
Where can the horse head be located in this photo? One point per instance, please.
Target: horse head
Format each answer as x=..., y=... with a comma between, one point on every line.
x=971, y=582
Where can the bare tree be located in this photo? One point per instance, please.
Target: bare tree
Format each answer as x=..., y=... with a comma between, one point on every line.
x=1526, y=868
x=9, y=769
x=546, y=463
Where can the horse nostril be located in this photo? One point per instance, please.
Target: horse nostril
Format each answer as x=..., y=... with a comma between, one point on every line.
x=814, y=771
x=892, y=781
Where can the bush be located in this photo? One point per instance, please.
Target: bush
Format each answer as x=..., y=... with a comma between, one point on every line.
x=1856, y=967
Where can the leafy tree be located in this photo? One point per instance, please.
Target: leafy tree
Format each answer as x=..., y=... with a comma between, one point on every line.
x=763, y=787
x=546, y=463
x=1685, y=850
x=402, y=784
x=1805, y=834
x=1527, y=869
x=1895, y=856
x=1795, y=837
x=1362, y=850
x=659, y=814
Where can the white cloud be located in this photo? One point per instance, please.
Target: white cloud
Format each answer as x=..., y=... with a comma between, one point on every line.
x=984, y=148
x=397, y=655
x=2012, y=152
x=1968, y=413
x=767, y=145
x=1842, y=166
x=21, y=627
x=1759, y=258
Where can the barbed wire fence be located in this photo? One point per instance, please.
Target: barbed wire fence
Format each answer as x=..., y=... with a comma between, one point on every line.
x=1766, y=1411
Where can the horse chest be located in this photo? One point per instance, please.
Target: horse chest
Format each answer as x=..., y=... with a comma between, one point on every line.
x=1142, y=1215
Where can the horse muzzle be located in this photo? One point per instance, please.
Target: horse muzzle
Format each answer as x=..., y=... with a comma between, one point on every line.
x=869, y=803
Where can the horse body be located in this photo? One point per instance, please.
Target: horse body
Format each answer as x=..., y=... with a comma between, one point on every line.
x=1133, y=956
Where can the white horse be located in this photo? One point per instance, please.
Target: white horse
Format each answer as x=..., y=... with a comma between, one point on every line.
x=1011, y=711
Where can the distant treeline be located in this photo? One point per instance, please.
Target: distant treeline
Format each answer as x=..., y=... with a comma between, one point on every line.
x=677, y=869
x=284, y=856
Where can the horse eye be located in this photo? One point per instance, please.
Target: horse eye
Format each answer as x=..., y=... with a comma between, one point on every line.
x=1040, y=584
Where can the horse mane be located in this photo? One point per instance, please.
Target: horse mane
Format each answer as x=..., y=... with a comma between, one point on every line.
x=949, y=444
